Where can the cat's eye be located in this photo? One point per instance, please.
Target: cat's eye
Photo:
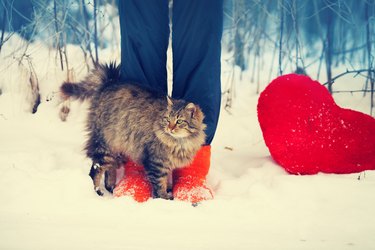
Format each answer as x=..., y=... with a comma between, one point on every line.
x=167, y=119
x=179, y=121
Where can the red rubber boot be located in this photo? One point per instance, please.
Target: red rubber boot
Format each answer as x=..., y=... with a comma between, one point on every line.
x=134, y=183
x=189, y=183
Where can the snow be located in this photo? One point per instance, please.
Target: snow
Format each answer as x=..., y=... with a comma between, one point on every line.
x=48, y=201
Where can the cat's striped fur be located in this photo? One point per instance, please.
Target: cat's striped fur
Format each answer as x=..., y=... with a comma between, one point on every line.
x=129, y=121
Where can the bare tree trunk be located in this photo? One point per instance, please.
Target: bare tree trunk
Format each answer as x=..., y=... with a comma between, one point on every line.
x=66, y=58
x=254, y=68
x=296, y=31
x=281, y=7
x=318, y=21
x=96, y=32
x=87, y=31
x=329, y=51
x=272, y=62
x=371, y=75
x=229, y=92
x=34, y=87
x=321, y=60
x=35, y=92
x=58, y=35
x=24, y=55
x=3, y=28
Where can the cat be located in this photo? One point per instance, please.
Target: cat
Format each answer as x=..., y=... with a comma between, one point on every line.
x=129, y=121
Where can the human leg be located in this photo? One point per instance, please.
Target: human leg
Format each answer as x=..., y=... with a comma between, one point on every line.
x=196, y=45
x=144, y=28
x=144, y=41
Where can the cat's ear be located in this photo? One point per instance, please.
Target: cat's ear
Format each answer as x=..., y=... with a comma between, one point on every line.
x=195, y=111
x=191, y=108
x=169, y=101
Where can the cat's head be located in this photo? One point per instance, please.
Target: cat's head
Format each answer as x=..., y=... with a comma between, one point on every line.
x=183, y=119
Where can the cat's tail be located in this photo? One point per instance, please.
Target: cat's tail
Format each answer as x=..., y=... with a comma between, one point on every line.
x=103, y=74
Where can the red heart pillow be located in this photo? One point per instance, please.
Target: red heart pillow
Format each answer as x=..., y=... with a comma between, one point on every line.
x=306, y=132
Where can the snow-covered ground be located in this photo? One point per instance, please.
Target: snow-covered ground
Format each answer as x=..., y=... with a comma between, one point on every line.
x=47, y=200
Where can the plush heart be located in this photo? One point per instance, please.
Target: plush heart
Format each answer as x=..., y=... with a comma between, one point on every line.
x=306, y=132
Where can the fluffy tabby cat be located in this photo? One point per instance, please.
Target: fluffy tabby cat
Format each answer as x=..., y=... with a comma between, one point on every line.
x=129, y=121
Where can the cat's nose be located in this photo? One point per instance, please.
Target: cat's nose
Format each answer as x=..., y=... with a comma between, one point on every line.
x=171, y=126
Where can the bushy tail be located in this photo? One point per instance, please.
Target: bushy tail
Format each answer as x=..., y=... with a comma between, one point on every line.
x=102, y=74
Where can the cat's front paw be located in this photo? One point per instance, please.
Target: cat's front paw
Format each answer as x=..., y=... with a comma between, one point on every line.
x=110, y=188
x=169, y=196
x=163, y=195
x=98, y=191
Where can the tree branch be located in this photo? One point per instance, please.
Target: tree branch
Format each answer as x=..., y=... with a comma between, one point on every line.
x=356, y=72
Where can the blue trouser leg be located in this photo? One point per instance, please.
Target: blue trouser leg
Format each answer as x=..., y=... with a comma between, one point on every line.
x=144, y=42
x=196, y=46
